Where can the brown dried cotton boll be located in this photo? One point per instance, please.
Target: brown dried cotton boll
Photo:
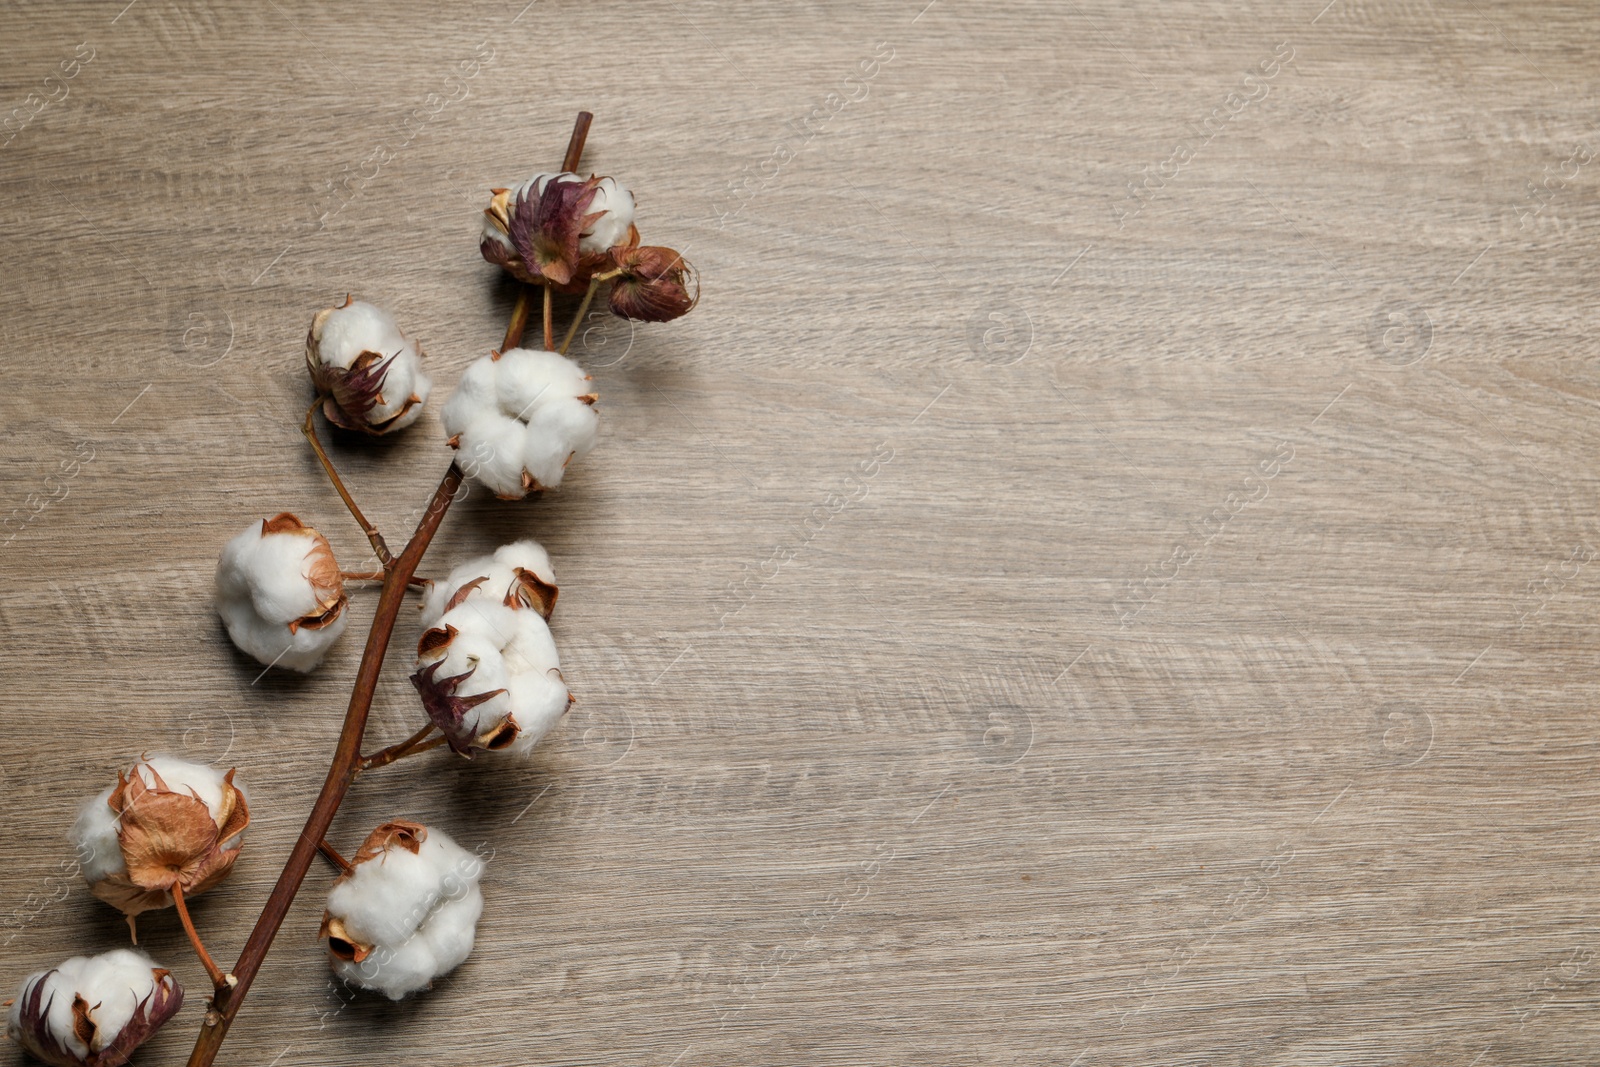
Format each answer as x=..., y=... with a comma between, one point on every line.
x=166, y=823
x=556, y=229
x=656, y=284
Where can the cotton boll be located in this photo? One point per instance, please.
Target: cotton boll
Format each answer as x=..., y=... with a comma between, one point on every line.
x=610, y=197
x=95, y=833
x=372, y=374
x=167, y=822
x=491, y=448
x=93, y=1011
x=518, y=572
x=556, y=229
x=654, y=284
x=518, y=418
x=406, y=912
x=280, y=593
x=488, y=672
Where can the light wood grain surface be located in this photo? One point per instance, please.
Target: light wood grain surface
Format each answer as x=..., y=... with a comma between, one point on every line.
x=1104, y=577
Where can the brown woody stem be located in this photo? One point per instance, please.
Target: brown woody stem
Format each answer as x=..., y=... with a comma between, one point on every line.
x=549, y=322
x=519, y=318
x=346, y=758
x=331, y=854
x=398, y=573
x=580, y=134
x=410, y=746
x=218, y=979
x=310, y=430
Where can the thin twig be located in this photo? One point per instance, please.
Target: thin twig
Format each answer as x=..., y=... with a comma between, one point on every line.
x=310, y=430
x=382, y=760
x=375, y=576
x=580, y=134
x=583, y=309
x=519, y=318
x=332, y=855
x=384, y=757
x=218, y=979
x=549, y=322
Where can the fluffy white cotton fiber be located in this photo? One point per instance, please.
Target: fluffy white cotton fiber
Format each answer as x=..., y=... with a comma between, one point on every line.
x=410, y=916
x=517, y=418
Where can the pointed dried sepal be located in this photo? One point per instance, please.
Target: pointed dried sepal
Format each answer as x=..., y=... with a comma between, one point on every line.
x=370, y=372
x=117, y=1001
x=546, y=226
x=341, y=944
x=169, y=837
x=556, y=229
x=531, y=591
x=449, y=712
x=397, y=833
x=656, y=285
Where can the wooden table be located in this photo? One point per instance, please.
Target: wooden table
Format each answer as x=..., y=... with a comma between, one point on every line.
x=1104, y=576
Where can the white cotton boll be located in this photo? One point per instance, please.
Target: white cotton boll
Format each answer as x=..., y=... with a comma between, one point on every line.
x=537, y=380
x=280, y=588
x=280, y=593
x=528, y=555
x=406, y=913
x=491, y=453
x=93, y=1009
x=518, y=418
x=371, y=371
x=356, y=328
x=501, y=580
x=503, y=648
